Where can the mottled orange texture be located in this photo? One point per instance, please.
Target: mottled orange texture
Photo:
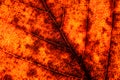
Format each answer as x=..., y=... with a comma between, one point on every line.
x=59, y=40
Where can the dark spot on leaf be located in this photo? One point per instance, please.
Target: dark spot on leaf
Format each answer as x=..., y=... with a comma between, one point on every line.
x=97, y=42
x=30, y=4
x=114, y=43
x=31, y=21
x=50, y=64
x=31, y=72
x=27, y=46
x=18, y=56
x=16, y=19
x=36, y=45
x=55, y=47
x=7, y=77
x=35, y=61
x=117, y=16
x=35, y=32
x=51, y=4
x=79, y=1
x=56, y=26
x=21, y=1
x=103, y=30
x=47, y=21
x=90, y=11
x=109, y=21
x=0, y=3
x=112, y=5
x=21, y=28
x=29, y=58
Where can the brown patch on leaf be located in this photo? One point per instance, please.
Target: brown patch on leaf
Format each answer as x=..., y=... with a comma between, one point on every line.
x=35, y=46
x=51, y=5
x=7, y=77
x=47, y=20
x=97, y=42
x=90, y=10
x=109, y=21
x=21, y=28
x=103, y=30
x=35, y=32
x=21, y=1
x=32, y=72
x=0, y=3
x=114, y=43
x=31, y=21
x=15, y=20
x=117, y=16
x=27, y=46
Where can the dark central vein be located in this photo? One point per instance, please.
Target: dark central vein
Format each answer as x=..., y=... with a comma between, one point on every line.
x=86, y=39
x=109, y=51
x=72, y=50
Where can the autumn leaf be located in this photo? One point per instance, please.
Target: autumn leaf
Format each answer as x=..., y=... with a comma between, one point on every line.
x=59, y=40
